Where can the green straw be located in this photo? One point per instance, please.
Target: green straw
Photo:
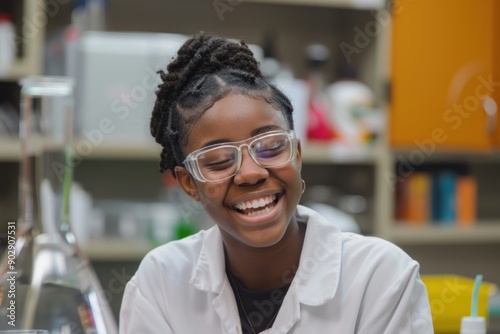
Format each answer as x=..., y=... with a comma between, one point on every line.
x=475, y=295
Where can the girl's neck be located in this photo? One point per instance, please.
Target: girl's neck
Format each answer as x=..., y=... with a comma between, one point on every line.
x=267, y=268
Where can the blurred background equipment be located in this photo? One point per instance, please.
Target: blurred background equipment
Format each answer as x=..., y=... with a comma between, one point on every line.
x=338, y=208
x=7, y=44
x=45, y=282
x=117, y=81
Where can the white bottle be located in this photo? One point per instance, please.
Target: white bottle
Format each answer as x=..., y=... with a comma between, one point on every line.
x=7, y=44
x=352, y=103
x=473, y=325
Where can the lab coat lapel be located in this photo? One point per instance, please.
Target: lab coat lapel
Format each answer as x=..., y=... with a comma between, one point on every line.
x=225, y=306
x=319, y=269
x=317, y=278
x=209, y=275
x=289, y=312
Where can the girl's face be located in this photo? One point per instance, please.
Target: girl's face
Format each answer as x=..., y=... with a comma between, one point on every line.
x=232, y=119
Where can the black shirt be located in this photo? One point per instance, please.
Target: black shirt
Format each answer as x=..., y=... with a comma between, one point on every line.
x=257, y=309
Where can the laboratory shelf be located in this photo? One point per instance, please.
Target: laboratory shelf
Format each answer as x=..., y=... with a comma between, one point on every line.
x=448, y=156
x=312, y=152
x=481, y=232
x=10, y=149
x=355, y=4
x=123, y=150
x=327, y=153
x=115, y=249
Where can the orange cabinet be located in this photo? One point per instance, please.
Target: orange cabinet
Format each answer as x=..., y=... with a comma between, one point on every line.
x=496, y=66
x=445, y=62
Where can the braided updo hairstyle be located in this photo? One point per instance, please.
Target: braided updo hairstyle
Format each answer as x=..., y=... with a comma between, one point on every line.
x=207, y=68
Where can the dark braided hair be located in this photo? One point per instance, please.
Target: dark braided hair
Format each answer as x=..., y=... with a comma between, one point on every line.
x=207, y=68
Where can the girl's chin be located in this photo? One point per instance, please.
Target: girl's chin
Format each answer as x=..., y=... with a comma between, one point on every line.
x=264, y=238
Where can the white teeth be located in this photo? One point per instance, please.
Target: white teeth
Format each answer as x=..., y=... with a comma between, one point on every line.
x=260, y=212
x=256, y=203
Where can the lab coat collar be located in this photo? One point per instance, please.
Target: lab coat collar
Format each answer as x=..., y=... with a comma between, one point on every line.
x=316, y=279
x=209, y=273
x=319, y=269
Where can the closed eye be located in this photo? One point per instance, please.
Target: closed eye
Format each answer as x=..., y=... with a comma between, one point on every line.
x=221, y=164
x=272, y=151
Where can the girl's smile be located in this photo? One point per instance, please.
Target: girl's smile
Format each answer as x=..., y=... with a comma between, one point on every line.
x=259, y=209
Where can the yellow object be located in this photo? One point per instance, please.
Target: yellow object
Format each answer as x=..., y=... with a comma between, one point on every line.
x=450, y=298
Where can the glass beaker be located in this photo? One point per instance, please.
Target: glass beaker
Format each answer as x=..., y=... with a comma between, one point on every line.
x=45, y=282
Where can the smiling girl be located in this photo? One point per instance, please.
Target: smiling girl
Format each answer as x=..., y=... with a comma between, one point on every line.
x=269, y=265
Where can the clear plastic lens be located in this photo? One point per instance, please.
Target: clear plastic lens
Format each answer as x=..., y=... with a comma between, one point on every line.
x=219, y=158
x=271, y=149
x=221, y=162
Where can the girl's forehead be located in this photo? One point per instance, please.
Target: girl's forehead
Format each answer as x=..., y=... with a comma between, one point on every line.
x=233, y=118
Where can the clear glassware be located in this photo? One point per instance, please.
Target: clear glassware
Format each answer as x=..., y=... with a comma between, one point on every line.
x=45, y=282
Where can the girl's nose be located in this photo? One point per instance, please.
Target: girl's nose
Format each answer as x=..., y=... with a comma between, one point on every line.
x=250, y=172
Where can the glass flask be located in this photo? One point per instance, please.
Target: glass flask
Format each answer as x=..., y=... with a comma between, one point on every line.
x=46, y=284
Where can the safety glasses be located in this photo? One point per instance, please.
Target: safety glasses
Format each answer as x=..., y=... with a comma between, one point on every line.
x=221, y=161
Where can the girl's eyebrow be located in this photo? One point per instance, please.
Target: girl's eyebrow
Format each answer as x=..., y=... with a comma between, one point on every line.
x=265, y=128
x=214, y=142
x=255, y=132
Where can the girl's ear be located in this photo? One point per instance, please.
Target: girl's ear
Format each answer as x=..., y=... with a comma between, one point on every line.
x=186, y=182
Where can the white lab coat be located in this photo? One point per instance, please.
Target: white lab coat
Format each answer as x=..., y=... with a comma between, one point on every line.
x=346, y=283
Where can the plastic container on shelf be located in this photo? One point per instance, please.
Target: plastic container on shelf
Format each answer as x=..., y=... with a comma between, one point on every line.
x=352, y=105
x=7, y=44
x=319, y=125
